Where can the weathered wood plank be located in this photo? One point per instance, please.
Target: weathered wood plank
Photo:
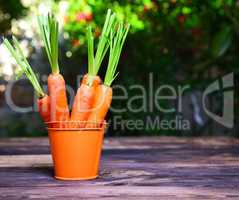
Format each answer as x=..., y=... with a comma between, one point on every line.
x=131, y=168
x=117, y=192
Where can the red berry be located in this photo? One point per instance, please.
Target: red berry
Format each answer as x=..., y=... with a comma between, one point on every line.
x=75, y=42
x=181, y=18
x=88, y=16
x=146, y=8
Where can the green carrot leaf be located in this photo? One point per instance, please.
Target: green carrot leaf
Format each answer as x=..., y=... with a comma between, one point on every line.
x=19, y=73
x=24, y=67
x=90, y=40
x=116, y=44
x=49, y=32
x=95, y=61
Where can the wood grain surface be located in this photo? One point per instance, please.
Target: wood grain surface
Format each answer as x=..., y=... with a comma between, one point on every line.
x=131, y=168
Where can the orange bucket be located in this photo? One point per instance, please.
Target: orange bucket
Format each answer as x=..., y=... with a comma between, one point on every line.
x=76, y=151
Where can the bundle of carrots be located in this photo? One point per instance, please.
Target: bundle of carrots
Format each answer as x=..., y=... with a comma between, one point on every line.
x=93, y=98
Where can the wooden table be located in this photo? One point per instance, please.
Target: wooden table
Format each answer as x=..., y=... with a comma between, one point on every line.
x=131, y=168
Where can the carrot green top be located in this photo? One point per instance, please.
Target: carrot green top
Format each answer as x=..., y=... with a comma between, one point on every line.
x=24, y=66
x=48, y=26
x=90, y=45
x=94, y=61
x=116, y=44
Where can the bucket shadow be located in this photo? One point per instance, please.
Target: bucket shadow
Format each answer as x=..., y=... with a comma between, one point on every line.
x=44, y=171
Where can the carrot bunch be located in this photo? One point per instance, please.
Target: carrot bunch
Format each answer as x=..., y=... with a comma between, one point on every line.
x=103, y=93
x=84, y=98
x=93, y=98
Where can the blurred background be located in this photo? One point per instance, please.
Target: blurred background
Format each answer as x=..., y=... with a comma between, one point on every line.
x=178, y=42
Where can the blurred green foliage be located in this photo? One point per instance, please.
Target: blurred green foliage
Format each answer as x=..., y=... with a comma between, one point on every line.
x=166, y=36
x=8, y=11
x=178, y=41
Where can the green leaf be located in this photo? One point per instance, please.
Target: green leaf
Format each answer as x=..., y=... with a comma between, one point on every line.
x=116, y=44
x=186, y=10
x=23, y=65
x=90, y=42
x=192, y=22
x=221, y=42
x=18, y=73
x=48, y=26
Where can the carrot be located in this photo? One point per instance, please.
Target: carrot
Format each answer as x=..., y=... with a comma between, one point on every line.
x=58, y=99
x=83, y=102
x=24, y=67
x=103, y=94
x=44, y=108
x=101, y=105
x=56, y=83
x=84, y=98
x=96, y=80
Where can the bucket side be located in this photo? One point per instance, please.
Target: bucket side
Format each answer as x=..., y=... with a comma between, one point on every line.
x=76, y=154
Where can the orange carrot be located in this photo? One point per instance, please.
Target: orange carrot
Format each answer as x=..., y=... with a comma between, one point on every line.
x=96, y=80
x=83, y=101
x=103, y=94
x=56, y=83
x=44, y=108
x=101, y=105
x=58, y=98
